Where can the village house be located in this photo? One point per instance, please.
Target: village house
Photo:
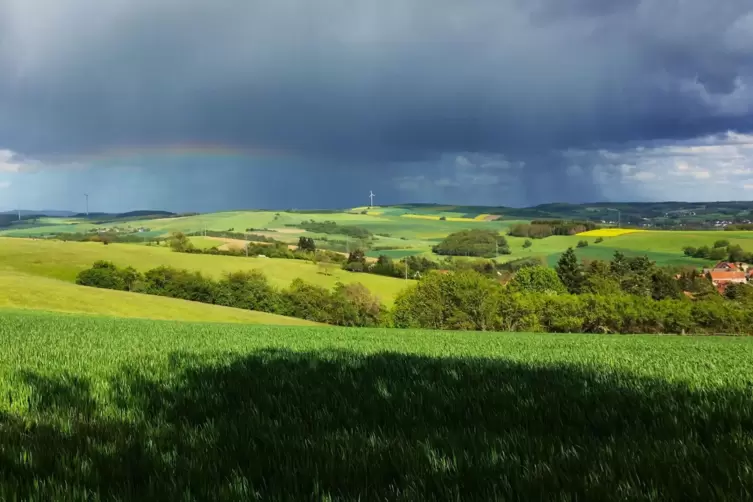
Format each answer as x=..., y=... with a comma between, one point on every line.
x=723, y=278
x=725, y=273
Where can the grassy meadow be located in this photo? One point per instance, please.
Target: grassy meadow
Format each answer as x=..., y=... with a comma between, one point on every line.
x=24, y=291
x=64, y=260
x=109, y=409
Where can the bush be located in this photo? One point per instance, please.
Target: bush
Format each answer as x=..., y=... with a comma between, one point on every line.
x=103, y=274
x=537, y=279
x=464, y=300
x=307, y=301
x=527, y=244
x=583, y=243
x=717, y=254
x=247, y=290
x=179, y=242
x=599, y=240
x=176, y=283
x=354, y=305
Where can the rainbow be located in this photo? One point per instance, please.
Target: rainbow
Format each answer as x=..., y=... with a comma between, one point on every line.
x=192, y=150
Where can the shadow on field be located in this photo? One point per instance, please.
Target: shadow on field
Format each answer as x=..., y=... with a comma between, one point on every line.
x=301, y=426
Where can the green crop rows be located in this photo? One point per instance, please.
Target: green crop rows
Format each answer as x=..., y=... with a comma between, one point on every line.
x=110, y=409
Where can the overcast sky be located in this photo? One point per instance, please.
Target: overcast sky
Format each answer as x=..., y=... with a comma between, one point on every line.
x=223, y=104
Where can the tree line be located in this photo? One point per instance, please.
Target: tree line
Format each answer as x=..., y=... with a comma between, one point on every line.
x=625, y=295
x=345, y=305
x=469, y=301
x=721, y=250
x=540, y=229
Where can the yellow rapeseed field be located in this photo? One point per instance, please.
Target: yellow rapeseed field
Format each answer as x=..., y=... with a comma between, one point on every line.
x=420, y=216
x=610, y=232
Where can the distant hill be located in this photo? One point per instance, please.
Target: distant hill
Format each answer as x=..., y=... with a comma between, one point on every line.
x=55, y=213
x=139, y=214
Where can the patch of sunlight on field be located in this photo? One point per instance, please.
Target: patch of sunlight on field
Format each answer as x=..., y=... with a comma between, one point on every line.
x=482, y=217
x=64, y=260
x=24, y=291
x=610, y=232
x=438, y=218
x=674, y=241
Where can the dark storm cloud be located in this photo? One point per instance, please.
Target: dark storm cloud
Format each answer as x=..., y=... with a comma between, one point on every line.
x=374, y=77
x=376, y=82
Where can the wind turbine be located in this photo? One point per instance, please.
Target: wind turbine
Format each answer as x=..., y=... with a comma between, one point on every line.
x=371, y=197
x=87, y=204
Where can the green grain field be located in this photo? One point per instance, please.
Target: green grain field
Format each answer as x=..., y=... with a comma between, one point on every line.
x=111, y=409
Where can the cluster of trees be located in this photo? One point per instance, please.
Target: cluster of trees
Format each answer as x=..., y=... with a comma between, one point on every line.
x=637, y=276
x=103, y=237
x=537, y=301
x=307, y=244
x=722, y=250
x=345, y=305
x=476, y=242
x=331, y=227
x=540, y=229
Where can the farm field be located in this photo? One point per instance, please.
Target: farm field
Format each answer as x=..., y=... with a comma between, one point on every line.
x=663, y=247
x=64, y=260
x=24, y=291
x=110, y=409
x=410, y=231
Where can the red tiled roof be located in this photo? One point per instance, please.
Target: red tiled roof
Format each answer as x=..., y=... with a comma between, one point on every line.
x=726, y=265
x=723, y=276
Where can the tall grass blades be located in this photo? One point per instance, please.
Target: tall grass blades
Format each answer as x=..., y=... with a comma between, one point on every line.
x=109, y=409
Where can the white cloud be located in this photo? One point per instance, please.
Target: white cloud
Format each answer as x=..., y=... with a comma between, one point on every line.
x=5, y=184
x=463, y=162
x=14, y=162
x=679, y=170
x=682, y=166
x=9, y=162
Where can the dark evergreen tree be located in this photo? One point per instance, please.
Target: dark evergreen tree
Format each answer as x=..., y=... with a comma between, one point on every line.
x=570, y=271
